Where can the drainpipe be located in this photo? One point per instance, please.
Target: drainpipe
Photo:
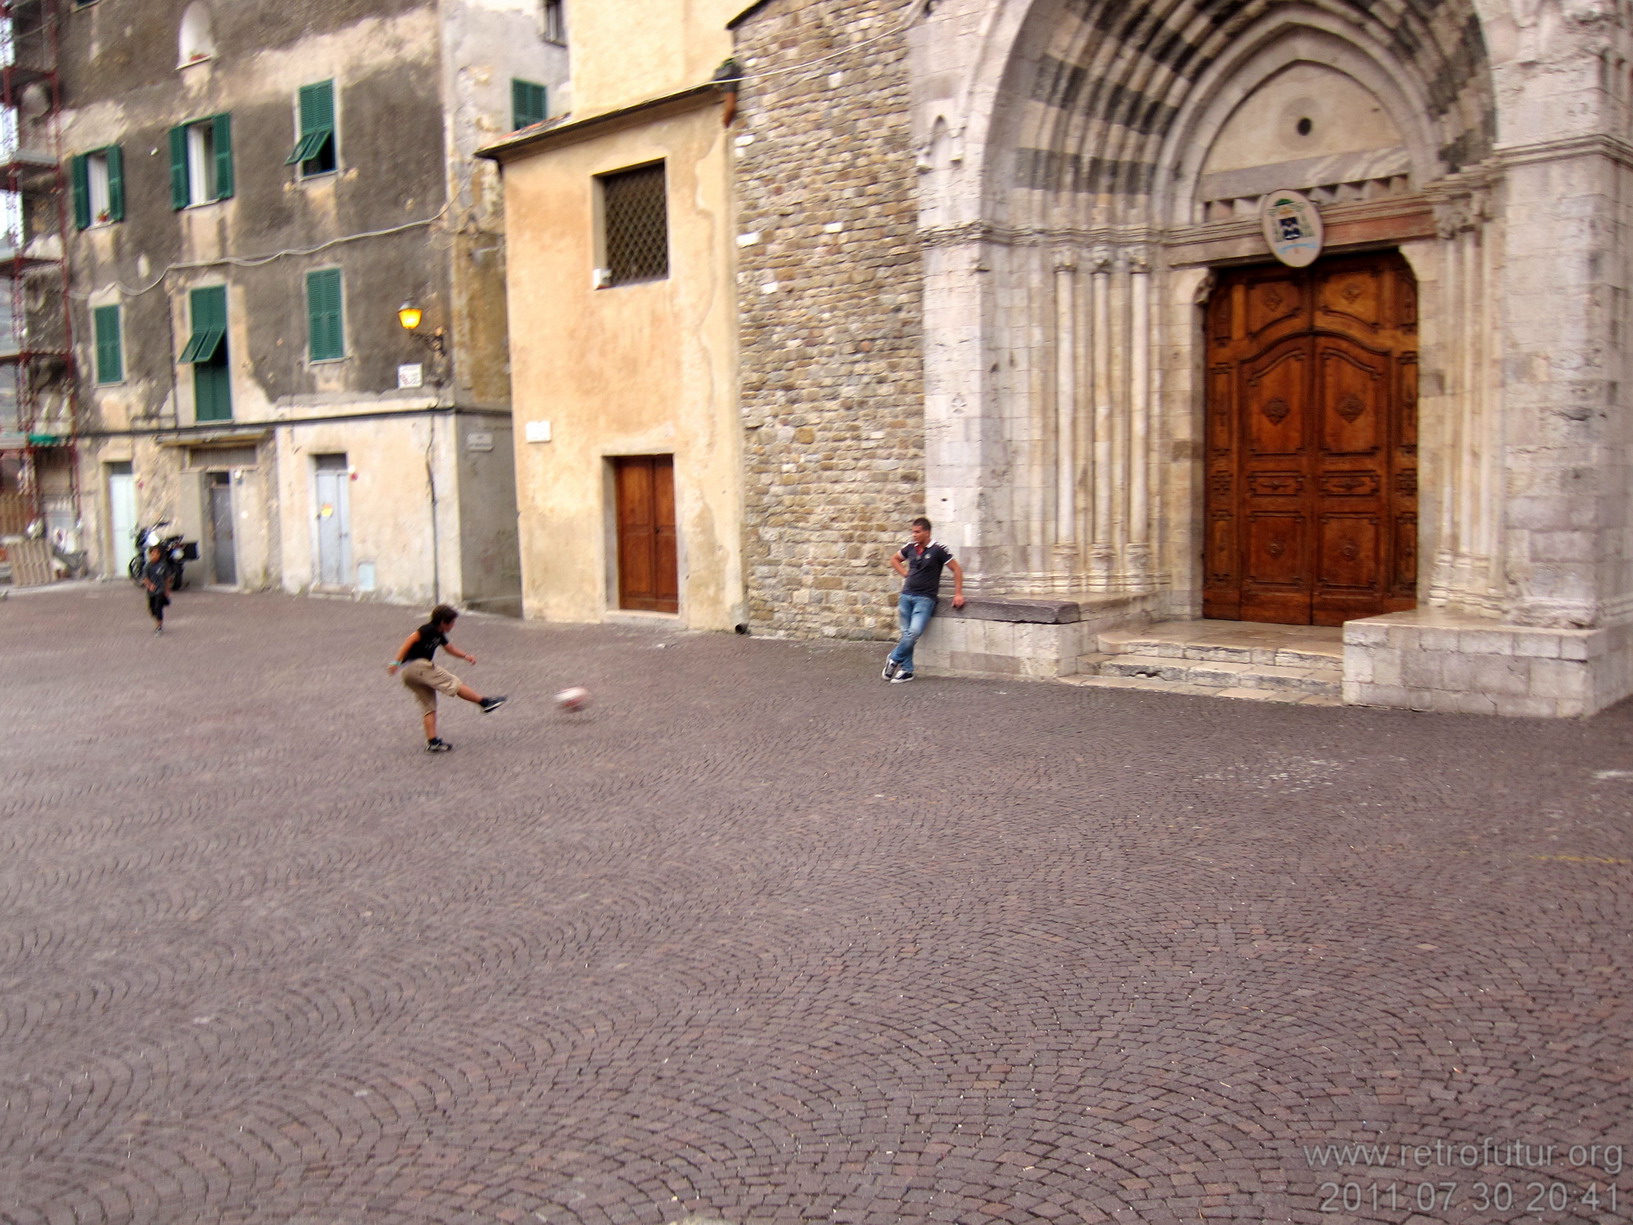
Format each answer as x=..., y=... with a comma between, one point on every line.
x=431, y=485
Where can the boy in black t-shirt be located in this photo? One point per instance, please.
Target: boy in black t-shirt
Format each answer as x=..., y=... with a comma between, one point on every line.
x=156, y=582
x=920, y=562
x=424, y=679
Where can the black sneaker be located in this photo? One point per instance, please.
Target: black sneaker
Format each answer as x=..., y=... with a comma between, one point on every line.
x=438, y=745
x=489, y=705
x=891, y=668
x=901, y=678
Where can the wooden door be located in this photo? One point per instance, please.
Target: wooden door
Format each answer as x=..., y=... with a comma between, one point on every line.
x=1311, y=493
x=648, y=575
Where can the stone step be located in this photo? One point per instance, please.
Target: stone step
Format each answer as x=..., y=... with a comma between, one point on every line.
x=1280, y=655
x=1311, y=675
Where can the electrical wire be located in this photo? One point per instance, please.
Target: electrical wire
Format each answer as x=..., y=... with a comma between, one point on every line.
x=256, y=261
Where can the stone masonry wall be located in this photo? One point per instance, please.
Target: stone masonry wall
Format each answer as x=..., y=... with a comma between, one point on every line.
x=830, y=289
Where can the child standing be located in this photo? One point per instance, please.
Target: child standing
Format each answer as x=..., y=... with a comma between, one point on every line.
x=424, y=679
x=156, y=582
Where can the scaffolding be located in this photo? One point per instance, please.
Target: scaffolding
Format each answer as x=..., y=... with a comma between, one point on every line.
x=38, y=402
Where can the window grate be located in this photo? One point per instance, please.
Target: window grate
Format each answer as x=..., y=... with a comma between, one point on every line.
x=636, y=217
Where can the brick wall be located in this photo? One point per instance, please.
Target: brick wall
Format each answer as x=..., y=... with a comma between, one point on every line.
x=830, y=289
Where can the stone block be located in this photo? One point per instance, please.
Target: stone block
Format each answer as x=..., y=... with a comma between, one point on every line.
x=1527, y=707
x=1422, y=669
x=1559, y=680
x=1485, y=642
x=1358, y=664
x=1393, y=696
x=1365, y=633
x=1386, y=667
x=1535, y=644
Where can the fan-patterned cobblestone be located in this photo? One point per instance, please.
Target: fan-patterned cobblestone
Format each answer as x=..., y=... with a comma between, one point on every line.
x=762, y=939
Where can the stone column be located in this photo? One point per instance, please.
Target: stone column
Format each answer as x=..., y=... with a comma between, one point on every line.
x=1065, y=554
x=1102, y=545
x=1140, y=432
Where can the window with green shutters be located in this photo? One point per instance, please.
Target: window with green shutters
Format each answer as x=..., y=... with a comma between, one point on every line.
x=315, y=149
x=97, y=183
x=206, y=351
x=527, y=103
x=201, y=161
x=110, y=354
x=324, y=327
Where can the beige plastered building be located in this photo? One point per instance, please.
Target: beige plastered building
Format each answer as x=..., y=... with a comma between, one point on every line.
x=622, y=306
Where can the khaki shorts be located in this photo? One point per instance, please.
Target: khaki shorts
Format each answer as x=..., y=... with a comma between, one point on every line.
x=425, y=680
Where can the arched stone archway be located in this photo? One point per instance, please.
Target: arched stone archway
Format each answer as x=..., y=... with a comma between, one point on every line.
x=1099, y=162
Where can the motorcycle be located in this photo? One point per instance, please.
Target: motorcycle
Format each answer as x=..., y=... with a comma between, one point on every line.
x=177, y=552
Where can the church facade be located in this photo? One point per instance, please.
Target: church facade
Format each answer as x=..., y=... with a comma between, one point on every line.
x=1288, y=311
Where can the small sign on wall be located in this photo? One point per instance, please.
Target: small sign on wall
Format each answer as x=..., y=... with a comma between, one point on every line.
x=1292, y=227
x=536, y=431
x=479, y=440
x=410, y=375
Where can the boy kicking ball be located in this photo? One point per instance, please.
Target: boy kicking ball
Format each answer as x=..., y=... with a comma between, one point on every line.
x=424, y=679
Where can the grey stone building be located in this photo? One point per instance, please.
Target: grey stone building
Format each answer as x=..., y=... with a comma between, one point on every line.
x=1016, y=267
x=248, y=195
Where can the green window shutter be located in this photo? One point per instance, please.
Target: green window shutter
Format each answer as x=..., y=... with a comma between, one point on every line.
x=209, y=311
x=223, y=156
x=181, y=188
x=318, y=107
x=527, y=103
x=80, y=178
x=110, y=358
x=323, y=320
x=116, y=182
x=317, y=115
x=212, y=393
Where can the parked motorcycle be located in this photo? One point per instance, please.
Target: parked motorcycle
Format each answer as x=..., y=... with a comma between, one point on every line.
x=177, y=552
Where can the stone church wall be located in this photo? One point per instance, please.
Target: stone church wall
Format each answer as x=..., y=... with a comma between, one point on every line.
x=830, y=289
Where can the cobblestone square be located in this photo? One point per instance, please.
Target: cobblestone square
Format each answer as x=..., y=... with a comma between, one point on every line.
x=759, y=938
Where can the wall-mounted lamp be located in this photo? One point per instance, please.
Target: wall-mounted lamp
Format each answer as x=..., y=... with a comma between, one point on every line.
x=410, y=317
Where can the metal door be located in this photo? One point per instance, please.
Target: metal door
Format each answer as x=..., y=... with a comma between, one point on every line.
x=223, y=542
x=333, y=521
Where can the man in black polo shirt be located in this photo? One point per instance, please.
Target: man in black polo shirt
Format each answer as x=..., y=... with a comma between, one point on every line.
x=919, y=562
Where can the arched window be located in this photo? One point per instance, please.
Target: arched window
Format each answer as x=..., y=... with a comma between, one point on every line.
x=197, y=41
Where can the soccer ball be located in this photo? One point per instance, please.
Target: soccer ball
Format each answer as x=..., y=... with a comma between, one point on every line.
x=574, y=699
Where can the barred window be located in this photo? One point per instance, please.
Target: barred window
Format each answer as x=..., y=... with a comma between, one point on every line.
x=635, y=217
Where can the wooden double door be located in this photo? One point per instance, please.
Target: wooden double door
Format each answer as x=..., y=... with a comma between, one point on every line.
x=1310, y=498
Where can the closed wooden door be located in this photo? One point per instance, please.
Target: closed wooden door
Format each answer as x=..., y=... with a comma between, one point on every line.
x=648, y=576
x=1311, y=492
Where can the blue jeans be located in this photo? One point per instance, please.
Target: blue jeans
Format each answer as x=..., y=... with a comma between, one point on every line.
x=913, y=612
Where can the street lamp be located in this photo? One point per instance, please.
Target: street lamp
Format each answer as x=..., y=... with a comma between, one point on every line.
x=410, y=316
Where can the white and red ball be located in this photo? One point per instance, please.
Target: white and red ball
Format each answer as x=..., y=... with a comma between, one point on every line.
x=573, y=699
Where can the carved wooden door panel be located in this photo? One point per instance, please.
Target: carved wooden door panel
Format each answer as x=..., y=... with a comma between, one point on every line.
x=1311, y=492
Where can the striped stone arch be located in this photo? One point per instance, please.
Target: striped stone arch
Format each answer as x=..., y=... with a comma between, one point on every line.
x=1097, y=87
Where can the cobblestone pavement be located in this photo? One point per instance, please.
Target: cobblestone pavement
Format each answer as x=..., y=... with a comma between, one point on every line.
x=760, y=938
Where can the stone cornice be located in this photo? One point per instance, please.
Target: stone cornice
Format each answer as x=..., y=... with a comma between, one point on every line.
x=1598, y=144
